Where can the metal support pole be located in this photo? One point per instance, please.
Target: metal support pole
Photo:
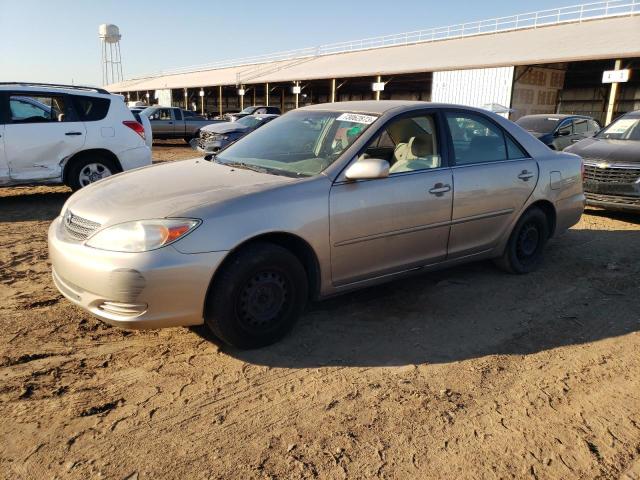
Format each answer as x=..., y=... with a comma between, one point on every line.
x=254, y=96
x=202, y=105
x=378, y=80
x=266, y=94
x=220, y=100
x=333, y=90
x=297, y=94
x=612, y=97
x=241, y=100
x=186, y=100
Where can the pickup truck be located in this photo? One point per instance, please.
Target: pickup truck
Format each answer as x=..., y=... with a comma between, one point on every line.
x=171, y=122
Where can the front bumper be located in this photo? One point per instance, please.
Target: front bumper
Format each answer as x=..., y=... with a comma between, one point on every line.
x=614, y=202
x=207, y=146
x=156, y=289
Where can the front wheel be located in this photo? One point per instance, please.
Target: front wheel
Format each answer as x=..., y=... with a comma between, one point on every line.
x=526, y=244
x=257, y=296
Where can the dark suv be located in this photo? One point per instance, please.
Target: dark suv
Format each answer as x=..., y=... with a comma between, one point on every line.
x=559, y=131
x=612, y=164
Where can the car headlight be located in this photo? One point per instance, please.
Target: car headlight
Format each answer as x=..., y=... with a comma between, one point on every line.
x=142, y=235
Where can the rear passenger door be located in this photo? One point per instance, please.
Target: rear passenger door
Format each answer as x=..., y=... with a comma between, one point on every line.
x=492, y=176
x=42, y=130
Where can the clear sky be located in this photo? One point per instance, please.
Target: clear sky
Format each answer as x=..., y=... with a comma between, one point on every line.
x=57, y=40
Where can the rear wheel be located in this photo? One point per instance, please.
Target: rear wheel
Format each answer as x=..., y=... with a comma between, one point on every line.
x=256, y=297
x=526, y=244
x=88, y=169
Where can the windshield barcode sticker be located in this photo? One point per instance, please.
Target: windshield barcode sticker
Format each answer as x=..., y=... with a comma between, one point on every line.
x=357, y=118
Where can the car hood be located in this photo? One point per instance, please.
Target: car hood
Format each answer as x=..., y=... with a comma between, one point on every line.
x=224, y=127
x=169, y=189
x=603, y=149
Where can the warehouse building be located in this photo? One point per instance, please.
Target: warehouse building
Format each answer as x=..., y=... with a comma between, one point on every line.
x=551, y=61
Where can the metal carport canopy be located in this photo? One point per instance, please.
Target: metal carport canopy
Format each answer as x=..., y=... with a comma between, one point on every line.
x=609, y=38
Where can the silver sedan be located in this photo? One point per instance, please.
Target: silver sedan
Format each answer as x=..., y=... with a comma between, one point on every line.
x=323, y=200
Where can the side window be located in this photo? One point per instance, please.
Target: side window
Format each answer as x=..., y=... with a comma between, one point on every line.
x=164, y=114
x=593, y=126
x=408, y=144
x=580, y=125
x=187, y=114
x=476, y=139
x=36, y=108
x=178, y=113
x=514, y=151
x=565, y=128
x=90, y=109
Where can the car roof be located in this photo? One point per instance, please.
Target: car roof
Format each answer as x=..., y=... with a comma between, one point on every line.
x=380, y=107
x=265, y=115
x=54, y=88
x=634, y=114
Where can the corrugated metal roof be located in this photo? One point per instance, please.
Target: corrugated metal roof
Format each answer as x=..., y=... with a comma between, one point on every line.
x=616, y=37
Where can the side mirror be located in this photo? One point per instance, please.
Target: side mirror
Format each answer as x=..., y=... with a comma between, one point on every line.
x=367, y=169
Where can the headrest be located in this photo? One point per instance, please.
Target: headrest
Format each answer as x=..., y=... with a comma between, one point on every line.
x=421, y=147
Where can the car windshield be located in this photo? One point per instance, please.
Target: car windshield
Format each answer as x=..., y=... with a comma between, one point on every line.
x=298, y=144
x=249, y=121
x=539, y=124
x=624, y=128
x=248, y=110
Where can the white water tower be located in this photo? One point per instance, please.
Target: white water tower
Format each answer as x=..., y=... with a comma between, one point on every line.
x=111, y=60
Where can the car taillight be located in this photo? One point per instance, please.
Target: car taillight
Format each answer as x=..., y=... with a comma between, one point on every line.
x=135, y=126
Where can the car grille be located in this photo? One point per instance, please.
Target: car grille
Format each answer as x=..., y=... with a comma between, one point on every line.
x=619, y=199
x=77, y=227
x=611, y=174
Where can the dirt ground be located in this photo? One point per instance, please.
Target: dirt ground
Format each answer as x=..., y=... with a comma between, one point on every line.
x=465, y=373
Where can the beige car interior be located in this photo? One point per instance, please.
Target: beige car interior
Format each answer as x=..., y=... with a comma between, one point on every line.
x=408, y=144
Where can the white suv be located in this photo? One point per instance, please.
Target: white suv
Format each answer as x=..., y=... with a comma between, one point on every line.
x=66, y=134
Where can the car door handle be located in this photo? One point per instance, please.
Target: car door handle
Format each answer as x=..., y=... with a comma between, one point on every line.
x=525, y=175
x=73, y=133
x=439, y=189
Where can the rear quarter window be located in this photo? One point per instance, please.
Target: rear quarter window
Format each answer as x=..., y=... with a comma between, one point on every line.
x=90, y=109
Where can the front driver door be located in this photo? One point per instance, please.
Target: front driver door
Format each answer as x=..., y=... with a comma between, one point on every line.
x=162, y=123
x=387, y=225
x=563, y=135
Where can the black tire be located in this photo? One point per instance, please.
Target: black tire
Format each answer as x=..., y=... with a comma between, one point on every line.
x=188, y=138
x=524, y=250
x=256, y=297
x=74, y=176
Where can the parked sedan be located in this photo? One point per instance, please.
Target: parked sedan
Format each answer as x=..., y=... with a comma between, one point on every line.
x=215, y=137
x=321, y=201
x=612, y=164
x=559, y=131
